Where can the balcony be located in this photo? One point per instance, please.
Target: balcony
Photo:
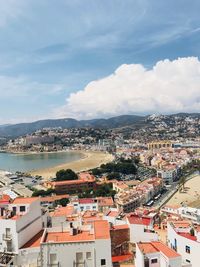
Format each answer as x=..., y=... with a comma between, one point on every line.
x=7, y=237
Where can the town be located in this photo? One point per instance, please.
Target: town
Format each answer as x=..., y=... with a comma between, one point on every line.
x=117, y=213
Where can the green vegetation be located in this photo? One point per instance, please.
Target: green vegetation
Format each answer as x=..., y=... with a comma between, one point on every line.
x=63, y=175
x=113, y=170
x=104, y=190
x=43, y=193
x=63, y=202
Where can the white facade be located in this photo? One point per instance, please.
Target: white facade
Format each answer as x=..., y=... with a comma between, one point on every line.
x=188, y=248
x=19, y=224
x=139, y=232
x=76, y=252
x=155, y=257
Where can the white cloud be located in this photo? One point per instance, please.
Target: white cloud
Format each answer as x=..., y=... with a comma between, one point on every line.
x=170, y=86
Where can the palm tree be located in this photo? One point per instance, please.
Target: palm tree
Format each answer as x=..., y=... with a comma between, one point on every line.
x=182, y=181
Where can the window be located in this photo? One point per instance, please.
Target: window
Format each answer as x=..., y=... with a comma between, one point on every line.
x=154, y=261
x=188, y=261
x=88, y=255
x=79, y=257
x=187, y=249
x=53, y=258
x=22, y=208
x=103, y=262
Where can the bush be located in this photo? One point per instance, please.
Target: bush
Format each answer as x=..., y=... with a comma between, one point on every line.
x=64, y=175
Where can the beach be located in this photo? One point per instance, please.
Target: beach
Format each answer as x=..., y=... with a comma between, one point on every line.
x=90, y=160
x=190, y=196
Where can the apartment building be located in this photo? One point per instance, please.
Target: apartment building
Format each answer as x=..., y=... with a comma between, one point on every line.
x=185, y=241
x=85, y=181
x=88, y=246
x=20, y=221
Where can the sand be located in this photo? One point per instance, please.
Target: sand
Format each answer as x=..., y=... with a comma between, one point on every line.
x=190, y=196
x=91, y=159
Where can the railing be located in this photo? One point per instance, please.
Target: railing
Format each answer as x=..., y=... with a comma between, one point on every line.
x=7, y=237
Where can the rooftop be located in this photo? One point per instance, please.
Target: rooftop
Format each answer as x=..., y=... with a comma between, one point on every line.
x=156, y=246
x=134, y=219
x=25, y=200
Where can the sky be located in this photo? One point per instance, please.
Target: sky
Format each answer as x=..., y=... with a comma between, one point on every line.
x=98, y=58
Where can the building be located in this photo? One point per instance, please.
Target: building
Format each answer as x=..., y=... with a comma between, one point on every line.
x=157, y=254
x=159, y=145
x=182, y=240
x=85, y=181
x=88, y=246
x=141, y=228
x=20, y=221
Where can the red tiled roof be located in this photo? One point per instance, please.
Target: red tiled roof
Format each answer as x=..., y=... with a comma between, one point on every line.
x=24, y=200
x=134, y=219
x=122, y=258
x=156, y=246
x=4, y=199
x=188, y=235
x=120, y=227
x=86, y=200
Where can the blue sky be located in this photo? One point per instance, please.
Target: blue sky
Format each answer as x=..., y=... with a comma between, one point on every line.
x=51, y=50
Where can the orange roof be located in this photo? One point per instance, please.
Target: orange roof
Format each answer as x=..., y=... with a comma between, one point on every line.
x=62, y=211
x=53, y=198
x=105, y=201
x=101, y=231
x=181, y=224
x=156, y=246
x=35, y=241
x=70, y=182
x=170, y=253
x=24, y=200
x=4, y=199
x=120, y=227
x=66, y=237
x=188, y=236
x=122, y=258
x=113, y=213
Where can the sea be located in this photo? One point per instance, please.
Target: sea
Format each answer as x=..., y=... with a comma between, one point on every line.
x=34, y=161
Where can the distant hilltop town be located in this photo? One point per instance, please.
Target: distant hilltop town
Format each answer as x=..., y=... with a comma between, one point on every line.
x=124, y=131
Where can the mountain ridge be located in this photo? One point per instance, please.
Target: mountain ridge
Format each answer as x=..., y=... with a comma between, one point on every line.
x=20, y=129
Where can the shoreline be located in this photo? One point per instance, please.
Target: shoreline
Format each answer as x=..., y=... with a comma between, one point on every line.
x=190, y=196
x=90, y=160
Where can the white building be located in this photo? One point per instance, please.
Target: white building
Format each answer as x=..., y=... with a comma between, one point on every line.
x=157, y=254
x=141, y=229
x=181, y=240
x=84, y=204
x=88, y=246
x=189, y=213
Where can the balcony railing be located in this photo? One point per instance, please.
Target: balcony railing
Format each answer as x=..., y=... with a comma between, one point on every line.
x=7, y=237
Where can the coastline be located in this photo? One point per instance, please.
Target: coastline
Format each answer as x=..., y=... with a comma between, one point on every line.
x=191, y=195
x=90, y=160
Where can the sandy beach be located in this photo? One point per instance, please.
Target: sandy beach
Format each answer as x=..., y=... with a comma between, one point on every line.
x=190, y=196
x=91, y=159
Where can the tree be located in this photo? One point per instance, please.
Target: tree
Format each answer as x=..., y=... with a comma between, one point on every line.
x=63, y=175
x=182, y=181
x=63, y=202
